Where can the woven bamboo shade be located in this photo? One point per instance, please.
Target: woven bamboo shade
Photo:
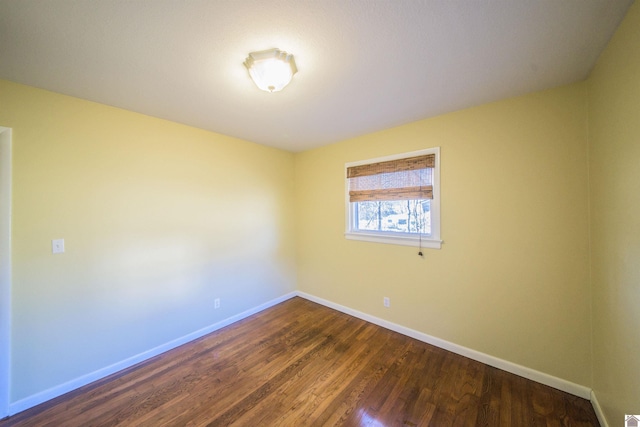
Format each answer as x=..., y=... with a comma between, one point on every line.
x=401, y=179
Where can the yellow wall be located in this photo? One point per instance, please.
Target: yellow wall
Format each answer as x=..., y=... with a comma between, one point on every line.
x=512, y=278
x=158, y=220
x=614, y=162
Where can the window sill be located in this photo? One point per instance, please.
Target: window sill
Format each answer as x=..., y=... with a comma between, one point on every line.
x=394, y=239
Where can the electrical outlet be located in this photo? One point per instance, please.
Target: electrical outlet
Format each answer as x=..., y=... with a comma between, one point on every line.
x=216, y=303
x=386, y=301
x=57, y=246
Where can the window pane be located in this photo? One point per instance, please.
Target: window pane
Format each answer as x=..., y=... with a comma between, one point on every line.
x=399, y=216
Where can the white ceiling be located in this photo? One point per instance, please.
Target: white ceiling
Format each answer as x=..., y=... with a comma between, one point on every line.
x=364, y=65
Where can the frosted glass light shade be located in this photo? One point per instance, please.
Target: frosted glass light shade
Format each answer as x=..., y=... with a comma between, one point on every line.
x=271, y=70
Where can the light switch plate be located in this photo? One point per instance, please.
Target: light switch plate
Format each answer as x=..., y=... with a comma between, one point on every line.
x=57, y=246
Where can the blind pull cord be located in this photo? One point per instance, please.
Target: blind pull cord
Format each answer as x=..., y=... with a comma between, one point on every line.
x=419, y=223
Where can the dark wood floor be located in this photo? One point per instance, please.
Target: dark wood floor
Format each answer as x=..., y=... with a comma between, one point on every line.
x=301, y=364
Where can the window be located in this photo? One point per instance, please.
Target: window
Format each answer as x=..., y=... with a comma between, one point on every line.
x=395, y=199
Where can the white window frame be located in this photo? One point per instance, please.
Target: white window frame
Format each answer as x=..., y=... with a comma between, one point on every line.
x=405, y=239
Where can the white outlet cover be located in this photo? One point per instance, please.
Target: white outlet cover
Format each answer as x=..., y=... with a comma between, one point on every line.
x=57, y=246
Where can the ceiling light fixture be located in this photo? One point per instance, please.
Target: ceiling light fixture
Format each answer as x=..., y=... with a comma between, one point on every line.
x=271, y=70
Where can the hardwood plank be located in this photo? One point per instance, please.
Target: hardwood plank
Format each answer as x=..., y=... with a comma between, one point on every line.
x=301, y=364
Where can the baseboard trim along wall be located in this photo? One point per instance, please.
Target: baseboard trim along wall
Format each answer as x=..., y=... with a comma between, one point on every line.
x=61, y=389
x=546, y=379
x=532, y=374
x=598, y=410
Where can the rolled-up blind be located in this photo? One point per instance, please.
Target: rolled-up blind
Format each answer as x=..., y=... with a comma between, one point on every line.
x=402, y=179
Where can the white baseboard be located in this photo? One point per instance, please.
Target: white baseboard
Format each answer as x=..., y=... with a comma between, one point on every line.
x=523, y=371
x=598, y=410
x=61, y=389
x=558, y=383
